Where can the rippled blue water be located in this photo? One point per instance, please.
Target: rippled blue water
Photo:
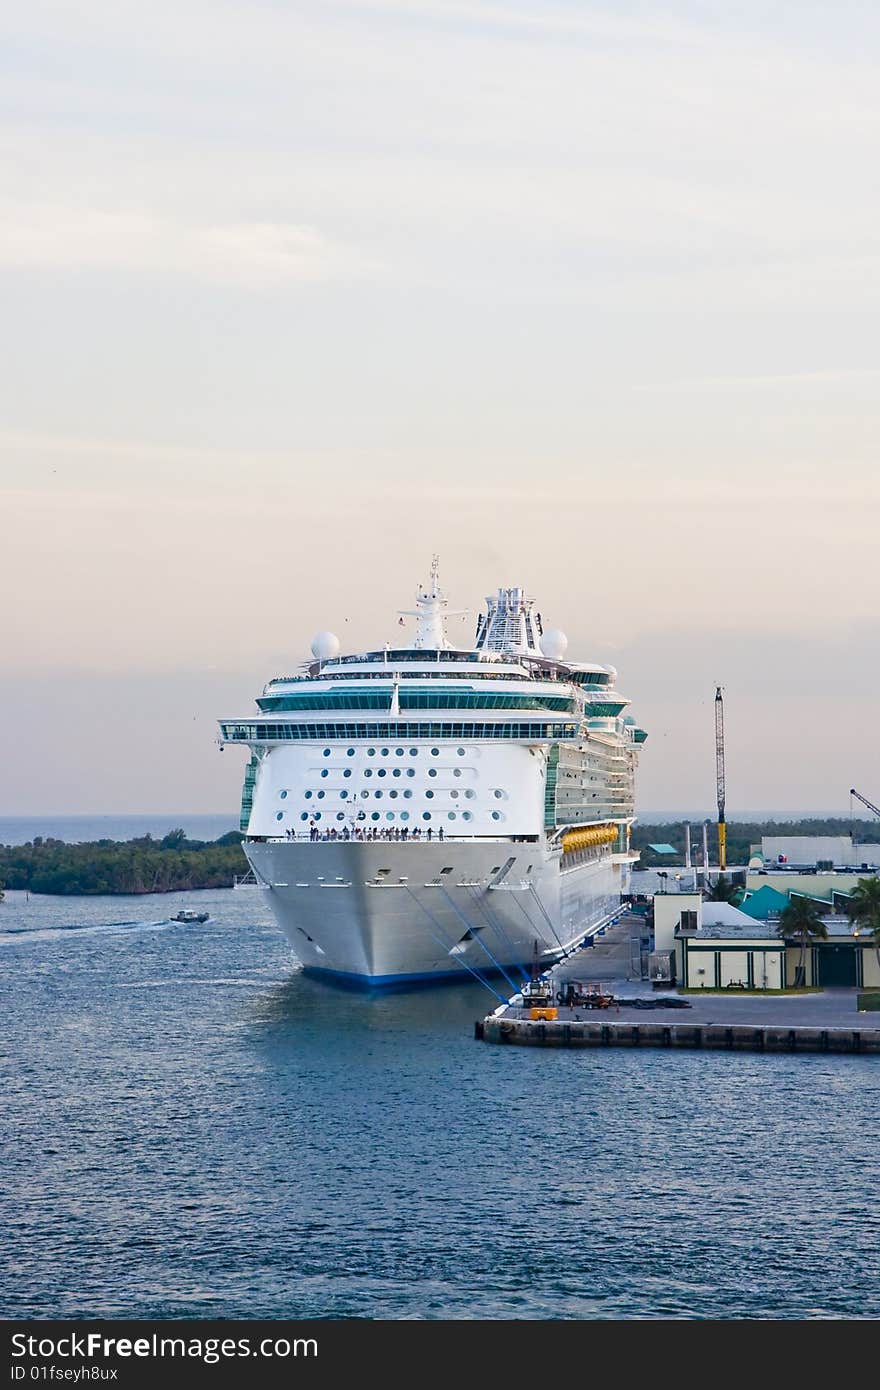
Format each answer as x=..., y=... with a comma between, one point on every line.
x=194, y=1129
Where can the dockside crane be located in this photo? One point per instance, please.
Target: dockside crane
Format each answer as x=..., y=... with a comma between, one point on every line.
x=864, y=800
x=719, y=776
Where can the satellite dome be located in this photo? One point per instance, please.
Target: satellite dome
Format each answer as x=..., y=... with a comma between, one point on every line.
x=325, y=646
x=554, y=644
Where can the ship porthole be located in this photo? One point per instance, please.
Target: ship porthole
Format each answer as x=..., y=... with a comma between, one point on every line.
x=279, y=815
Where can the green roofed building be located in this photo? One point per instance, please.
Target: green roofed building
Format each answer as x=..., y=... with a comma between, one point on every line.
x=767, y=902
x=663, y=849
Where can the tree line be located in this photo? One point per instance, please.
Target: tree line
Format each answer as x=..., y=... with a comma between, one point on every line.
x=144, y=865
x=741, y=835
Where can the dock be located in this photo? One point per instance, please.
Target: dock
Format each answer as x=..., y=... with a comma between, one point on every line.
x=730, y=1037
x=620, y=1009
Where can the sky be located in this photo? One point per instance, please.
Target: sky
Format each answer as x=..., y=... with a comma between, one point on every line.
x=580, y=297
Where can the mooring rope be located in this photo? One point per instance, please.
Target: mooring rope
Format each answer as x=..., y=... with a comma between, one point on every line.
x=476, y=974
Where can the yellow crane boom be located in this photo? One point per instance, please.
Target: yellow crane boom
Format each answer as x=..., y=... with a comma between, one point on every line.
x=719, y=776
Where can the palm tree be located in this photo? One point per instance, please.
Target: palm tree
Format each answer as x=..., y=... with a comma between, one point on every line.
x=802, y=919
x=724, y=890
x=863, y=909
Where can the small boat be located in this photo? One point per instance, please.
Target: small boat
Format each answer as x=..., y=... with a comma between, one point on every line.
x=187, y=914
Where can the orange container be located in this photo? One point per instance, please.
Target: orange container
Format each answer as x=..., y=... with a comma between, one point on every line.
x=548, y=1014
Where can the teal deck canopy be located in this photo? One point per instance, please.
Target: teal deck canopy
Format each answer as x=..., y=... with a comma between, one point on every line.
x=663, y=849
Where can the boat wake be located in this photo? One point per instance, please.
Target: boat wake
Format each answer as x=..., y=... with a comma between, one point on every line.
x=68, y=929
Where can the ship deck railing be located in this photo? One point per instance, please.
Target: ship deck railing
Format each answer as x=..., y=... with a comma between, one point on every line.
x=300, y=838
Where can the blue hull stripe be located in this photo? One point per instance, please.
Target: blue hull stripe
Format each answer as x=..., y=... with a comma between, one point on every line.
x=348, y=980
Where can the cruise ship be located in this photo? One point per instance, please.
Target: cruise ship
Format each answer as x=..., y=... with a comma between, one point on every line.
x=424, y=813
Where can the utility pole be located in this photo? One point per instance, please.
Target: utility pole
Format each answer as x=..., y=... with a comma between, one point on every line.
x=706, y=855
x=719, y=777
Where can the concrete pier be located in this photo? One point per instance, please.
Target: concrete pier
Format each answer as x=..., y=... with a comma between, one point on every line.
x=827, y=1021
x=728, y=1037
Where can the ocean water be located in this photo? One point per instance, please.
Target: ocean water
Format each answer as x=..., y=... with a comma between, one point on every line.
x=18, y=830
x=191, y=1128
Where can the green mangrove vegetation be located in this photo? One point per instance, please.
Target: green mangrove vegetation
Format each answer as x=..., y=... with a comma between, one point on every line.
x=145, y=865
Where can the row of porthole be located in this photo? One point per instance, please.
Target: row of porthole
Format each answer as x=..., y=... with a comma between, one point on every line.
x=429, y=796
x=407, y=794
x=413, y=752
x=393, y=794
x=390, y=815
x=395, y=772
x=497, y=792
x=383, y=772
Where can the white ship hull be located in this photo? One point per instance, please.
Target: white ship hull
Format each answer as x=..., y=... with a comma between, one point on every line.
x=428, y=812
x=380, y=915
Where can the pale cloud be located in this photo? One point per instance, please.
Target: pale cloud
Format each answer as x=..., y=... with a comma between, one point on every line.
x=298, y=291
x=844, y=376
x=547, y=21
x=46, y=235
